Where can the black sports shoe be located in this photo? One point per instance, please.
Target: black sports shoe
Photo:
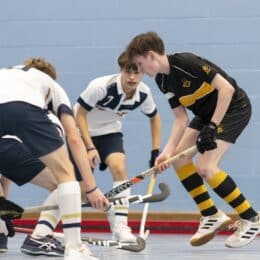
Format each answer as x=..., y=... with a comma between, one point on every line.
x=3, y=243
x=48, y=245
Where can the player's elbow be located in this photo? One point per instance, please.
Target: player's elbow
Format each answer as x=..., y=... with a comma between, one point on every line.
x=74, y=139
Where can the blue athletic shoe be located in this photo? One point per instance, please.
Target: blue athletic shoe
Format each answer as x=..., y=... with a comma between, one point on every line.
x=3, y=243
x=48, y=245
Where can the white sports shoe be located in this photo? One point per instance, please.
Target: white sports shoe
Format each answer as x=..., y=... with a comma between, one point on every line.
x=123, y=233
x=208, y=228
x=245, y=233
x=82, y=253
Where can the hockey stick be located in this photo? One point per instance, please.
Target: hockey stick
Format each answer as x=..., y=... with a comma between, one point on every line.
x=146, y=173
x=144, y=234
x=17, y=213
x=133, y=247
x=133, y=199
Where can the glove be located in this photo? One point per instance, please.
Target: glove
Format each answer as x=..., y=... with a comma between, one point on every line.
x=154, y=155
x=10, y=227
x=9, y=210
x=7, y=227
x=207, y=138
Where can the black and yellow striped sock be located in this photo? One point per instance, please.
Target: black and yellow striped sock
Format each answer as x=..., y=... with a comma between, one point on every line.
x=193, y=183
x=226, y=188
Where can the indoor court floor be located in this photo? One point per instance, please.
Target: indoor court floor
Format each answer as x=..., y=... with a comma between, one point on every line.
x=158, y=247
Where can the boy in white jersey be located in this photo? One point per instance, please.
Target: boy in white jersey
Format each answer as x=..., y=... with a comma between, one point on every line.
x=24, y=93
x=99, y=112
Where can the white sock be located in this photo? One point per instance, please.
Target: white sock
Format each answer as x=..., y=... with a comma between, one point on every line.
x=48, y=219
x=69, y=198
x=120, y=211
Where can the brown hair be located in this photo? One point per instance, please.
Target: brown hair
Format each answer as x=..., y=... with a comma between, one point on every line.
x=144, y=42
x=124, y=62
x=42, y=65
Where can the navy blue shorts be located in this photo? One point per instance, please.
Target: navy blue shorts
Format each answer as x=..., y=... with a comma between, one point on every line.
x=31, y=125
x=17, y=162
x=105, y=145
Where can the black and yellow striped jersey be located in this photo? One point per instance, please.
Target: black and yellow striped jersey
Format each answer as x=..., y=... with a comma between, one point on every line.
x=189, y=83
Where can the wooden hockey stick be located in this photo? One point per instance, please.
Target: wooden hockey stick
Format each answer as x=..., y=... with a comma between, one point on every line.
x=133, y=247
x=142, y=233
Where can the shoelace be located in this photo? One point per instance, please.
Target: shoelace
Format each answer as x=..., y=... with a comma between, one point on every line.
x=234, y=226
x=53, y=239
x=203, y=221
x=239, y=226
x=83, y=249
x=125, y=227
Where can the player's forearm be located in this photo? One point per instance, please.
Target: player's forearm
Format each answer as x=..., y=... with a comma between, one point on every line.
x=177, y=131
x=80, y=157
x=83, y=128
x=86, y=136
x=78, y=149
x=181, y=121
x=225, y=94
x=155, y=124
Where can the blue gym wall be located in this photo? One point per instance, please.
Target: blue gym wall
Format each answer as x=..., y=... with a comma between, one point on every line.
x=84, y=38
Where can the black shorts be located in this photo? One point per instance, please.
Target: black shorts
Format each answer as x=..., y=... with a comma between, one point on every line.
x=31, y=125
x=234, y=121
x=17, y=162
x=105, y=145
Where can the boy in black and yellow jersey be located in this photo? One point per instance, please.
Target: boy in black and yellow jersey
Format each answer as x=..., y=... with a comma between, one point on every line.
x=222, y=110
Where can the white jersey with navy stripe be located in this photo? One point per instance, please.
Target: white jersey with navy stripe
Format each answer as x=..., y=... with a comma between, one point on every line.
x=32, y=86
x=106, y=103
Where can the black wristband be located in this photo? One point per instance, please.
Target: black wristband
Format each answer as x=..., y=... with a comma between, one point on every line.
x=155, y=151
x=90, y=191
x=91, y=149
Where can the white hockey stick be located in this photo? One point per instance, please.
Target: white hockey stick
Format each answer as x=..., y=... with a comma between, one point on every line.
x=133, y=199
x=142, y=233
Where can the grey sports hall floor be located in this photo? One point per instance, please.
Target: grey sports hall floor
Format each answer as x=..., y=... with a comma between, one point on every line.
x=159, y=247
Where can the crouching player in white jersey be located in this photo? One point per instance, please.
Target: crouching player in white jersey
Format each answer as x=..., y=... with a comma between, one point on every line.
x=99, y=112
x=24, y=93
x=18, y=165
